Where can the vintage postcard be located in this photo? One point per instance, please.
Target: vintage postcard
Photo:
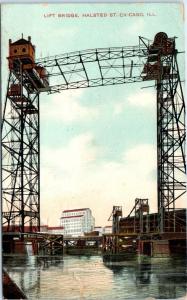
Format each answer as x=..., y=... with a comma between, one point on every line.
x=93, y=151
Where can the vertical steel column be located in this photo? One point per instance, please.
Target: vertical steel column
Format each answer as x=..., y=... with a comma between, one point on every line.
x=20, y=154
x=170, y=141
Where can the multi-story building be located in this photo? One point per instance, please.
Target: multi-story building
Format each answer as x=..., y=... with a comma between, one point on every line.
x=77, y=221
x=49, y=229
x=107, y=229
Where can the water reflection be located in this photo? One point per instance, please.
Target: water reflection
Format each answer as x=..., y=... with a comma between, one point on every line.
x=163, y=279
x=24, y=272
x=88, y=278
x=46, y=262
x=143, y=274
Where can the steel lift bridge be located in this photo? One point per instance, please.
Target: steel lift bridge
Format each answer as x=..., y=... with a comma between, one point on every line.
x=150, y=60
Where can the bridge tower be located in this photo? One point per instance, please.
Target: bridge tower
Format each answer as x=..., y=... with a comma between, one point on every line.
x=162, y=66
x=20, y=139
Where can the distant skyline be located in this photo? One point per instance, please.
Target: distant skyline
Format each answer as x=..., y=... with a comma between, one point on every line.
x=98, y=145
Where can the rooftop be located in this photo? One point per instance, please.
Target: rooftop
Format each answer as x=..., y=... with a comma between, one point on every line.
x=78, y=216
x=21, y=42
x=77, y=209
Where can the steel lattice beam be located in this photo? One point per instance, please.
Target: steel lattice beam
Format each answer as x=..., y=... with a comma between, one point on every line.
x=95, y=67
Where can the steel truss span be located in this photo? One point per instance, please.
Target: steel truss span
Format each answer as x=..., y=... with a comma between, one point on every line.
x=155, y=60
x=95, y=67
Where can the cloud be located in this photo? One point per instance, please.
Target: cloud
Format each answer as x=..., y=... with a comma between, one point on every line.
x=135, y=27
x=119, y=107
x=138, y=26
x=66, y=107
x=143, y=99
x=143, y=157
x=80, y=151
x=73, y=176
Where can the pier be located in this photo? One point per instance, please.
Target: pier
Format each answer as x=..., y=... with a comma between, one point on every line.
x=37, y=243
x=139, y=234
x=85, y=245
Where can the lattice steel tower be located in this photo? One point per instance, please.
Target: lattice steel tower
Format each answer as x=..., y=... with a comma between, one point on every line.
x=20, y=139
x=171, y=166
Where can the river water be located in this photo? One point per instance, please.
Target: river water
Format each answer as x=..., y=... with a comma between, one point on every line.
x=80, y=277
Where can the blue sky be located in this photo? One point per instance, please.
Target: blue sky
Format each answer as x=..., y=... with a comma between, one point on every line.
x=98, y=145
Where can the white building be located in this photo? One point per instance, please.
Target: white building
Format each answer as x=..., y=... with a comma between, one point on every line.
x=107, y=229
x=77, y=221
x=56, y=229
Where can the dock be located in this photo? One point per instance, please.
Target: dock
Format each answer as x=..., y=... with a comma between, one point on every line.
x=10, y=288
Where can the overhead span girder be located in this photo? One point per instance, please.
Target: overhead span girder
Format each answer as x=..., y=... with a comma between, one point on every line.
x=95, y=67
